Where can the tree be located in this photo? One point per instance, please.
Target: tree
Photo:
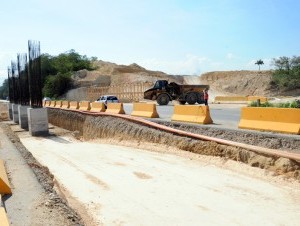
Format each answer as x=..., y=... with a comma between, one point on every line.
x=286, y=76
x=259, y=62
x=282, y=63
x=4, y=90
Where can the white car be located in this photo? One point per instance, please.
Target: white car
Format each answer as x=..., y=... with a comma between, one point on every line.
x=46, y=98
x=108, y=99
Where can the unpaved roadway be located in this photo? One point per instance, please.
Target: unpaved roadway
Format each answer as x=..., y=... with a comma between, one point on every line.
x=118, y=185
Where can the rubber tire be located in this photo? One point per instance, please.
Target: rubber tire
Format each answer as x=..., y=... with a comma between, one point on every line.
x=163, y=99
x=182, y=102
x=200, y=98
x=191, y=98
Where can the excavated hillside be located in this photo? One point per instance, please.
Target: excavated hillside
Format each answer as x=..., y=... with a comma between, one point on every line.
x=221, y=82
x=107, y=74
x=239, y=82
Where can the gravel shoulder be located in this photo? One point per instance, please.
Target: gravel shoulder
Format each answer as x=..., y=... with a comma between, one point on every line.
x=34, y=200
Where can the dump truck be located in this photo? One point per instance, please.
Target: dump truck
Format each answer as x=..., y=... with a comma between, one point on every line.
x=164, y=92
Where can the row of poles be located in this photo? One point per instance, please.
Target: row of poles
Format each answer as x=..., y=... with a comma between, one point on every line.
x=25, y=79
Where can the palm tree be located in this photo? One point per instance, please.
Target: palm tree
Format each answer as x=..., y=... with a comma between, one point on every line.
x=259, y=62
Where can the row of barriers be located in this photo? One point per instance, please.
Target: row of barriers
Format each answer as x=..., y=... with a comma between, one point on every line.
x=284, y=120
x=244, y=99
x=185, y=113
x=5, y=189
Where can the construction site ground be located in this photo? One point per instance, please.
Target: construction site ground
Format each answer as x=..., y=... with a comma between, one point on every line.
x=63, y=179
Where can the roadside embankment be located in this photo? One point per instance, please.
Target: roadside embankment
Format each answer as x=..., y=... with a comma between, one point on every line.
x=91, y=127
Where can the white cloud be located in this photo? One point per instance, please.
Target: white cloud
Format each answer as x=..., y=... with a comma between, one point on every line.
x=190, y=65
x=230, y=56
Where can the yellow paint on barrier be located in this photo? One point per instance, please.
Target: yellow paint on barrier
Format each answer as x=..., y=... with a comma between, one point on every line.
x=255, y=98
x=231, y=99
x=84, y=105
x=3, y=217
x=145, y=110
x=52, y=103
x=192, y=113
x=97, y=107
x=47, y=103
x=285, y=120
x=115, y=108
x=65, y=104
x=58, y=103
x=74, y=105
x=4, y=183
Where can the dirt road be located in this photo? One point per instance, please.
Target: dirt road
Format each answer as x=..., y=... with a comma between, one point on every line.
x=117, y=185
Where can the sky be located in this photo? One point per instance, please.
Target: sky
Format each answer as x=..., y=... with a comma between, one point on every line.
x=180, y=37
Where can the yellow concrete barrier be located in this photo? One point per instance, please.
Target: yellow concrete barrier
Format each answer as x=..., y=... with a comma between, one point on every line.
x=58, y=103
x=52, y=103
x=231, y=99
x=4, y=183
x=97, y=107
x=74, y=105
x=192, y=113
x=46, y=103
x=116, y=108
x=65, y=104
x=85, y=106
x=285, y=120
x=255, y=98
x=145, y=110
x=3, y=217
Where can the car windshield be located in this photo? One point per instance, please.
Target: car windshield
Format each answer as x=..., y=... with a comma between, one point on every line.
x=112, y=98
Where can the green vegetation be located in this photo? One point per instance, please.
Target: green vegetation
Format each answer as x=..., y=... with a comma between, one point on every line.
x=4, y=90
x=57, y=71
x=287, y=74
x=293, y=104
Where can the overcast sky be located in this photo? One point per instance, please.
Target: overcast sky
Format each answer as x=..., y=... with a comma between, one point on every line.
x=174, y=36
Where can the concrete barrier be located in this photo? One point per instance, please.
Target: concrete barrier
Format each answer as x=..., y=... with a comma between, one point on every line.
x=58, y=103
x=74, y=105
x=38, y=121
x=192, y=113
x=97, y=107
x=4, y=183
x=65, y=104
x=230, y=99
x=15, y=111
x=144, y=110
x=3, y=217
x=84, y=106
x=285, y=120
x=115, y=108
x=47, y=103
x=255, y=98
x=52, y=103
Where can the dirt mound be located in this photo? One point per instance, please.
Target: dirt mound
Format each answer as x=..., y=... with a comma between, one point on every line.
x=242, y=83
x=107, y=74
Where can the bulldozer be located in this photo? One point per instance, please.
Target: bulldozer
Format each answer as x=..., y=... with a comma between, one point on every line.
x=164, y=92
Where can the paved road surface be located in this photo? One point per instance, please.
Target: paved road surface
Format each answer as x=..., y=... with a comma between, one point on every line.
x=223, y=115
x=127, y=186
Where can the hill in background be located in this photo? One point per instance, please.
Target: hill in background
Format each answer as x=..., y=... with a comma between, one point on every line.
x=221, y=82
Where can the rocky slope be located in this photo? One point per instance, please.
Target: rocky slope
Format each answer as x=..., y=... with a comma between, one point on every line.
x=239, y=82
